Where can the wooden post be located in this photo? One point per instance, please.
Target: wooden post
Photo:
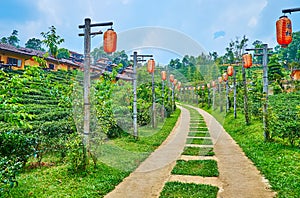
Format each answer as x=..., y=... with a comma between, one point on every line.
x=247, y=119
x=265, y=92
x=135, y=128
x=234, y=93
x=86, y=87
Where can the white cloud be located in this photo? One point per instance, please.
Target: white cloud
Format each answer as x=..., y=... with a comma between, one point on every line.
x=252, y=22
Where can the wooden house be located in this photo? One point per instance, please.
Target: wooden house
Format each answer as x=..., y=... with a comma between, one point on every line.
x=17, y=58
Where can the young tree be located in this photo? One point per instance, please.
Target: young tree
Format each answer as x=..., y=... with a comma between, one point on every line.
x=34, y=43
x=52, y=40
x=12, y=39
x=63, y=53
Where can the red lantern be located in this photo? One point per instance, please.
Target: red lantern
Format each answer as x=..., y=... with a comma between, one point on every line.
x=110, y=41
x=220, y=79
x=230, y=70
x=284, y=31
x=225, y=77
x=247, y=60
x=171, y=78
x=163, y=75
x=151, y=65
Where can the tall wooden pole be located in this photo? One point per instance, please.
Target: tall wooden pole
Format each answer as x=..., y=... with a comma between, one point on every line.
x=227, y=96
x=135, y=128
x=153, y=103
x=265, y=92
x=163, y=99
x=234, y=93
x=247, y=119
x=86, y=82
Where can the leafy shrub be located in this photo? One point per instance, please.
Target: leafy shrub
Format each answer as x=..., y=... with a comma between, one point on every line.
x=284, y=119
x=15, y=149
x=8, y=170
x=75, y=152
x=17, y=146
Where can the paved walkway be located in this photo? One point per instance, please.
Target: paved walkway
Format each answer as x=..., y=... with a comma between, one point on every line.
x=149, y=178
x=238, y=176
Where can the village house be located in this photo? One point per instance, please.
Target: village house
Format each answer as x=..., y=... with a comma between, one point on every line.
x=16, y=58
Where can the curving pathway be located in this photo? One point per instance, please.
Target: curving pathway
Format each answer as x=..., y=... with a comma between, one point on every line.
x=238, y=176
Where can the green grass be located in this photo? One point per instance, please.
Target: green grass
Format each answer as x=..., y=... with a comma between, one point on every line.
x=205, y=168
x=197, y=151
x=200, y=141
x=148, y=143
x=198, y=134
x=201, y=124
x=198, y=129
x=278, y=162
x=188, y=190
x=57, y=181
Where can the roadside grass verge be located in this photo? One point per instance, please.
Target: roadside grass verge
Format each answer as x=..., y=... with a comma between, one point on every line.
x=58, y=181
x=278, y=162
x=148, y=143
x=198, y=151
x=188, y=190
x=204, y=168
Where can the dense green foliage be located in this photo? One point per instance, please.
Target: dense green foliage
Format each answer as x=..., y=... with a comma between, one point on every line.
x=284, y=118
x=34, y=43
x=35, y=117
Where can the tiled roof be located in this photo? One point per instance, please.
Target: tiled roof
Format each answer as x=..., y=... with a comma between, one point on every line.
x=32, y=52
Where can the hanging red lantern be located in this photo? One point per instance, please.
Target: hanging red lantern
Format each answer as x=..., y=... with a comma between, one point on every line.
x=163, y=75
x=247, y=60
x=230, y=70
x=151, y=66
x=110, y=41
x=284, y=31
x=225, y=77
x=220, y=79
x=171, y=78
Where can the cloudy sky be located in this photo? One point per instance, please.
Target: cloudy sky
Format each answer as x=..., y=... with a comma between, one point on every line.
x=211, y=24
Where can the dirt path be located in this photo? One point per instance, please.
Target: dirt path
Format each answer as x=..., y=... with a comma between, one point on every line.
x=238, y=176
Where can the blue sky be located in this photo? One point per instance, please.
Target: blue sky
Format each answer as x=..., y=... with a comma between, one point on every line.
x=210, y=23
